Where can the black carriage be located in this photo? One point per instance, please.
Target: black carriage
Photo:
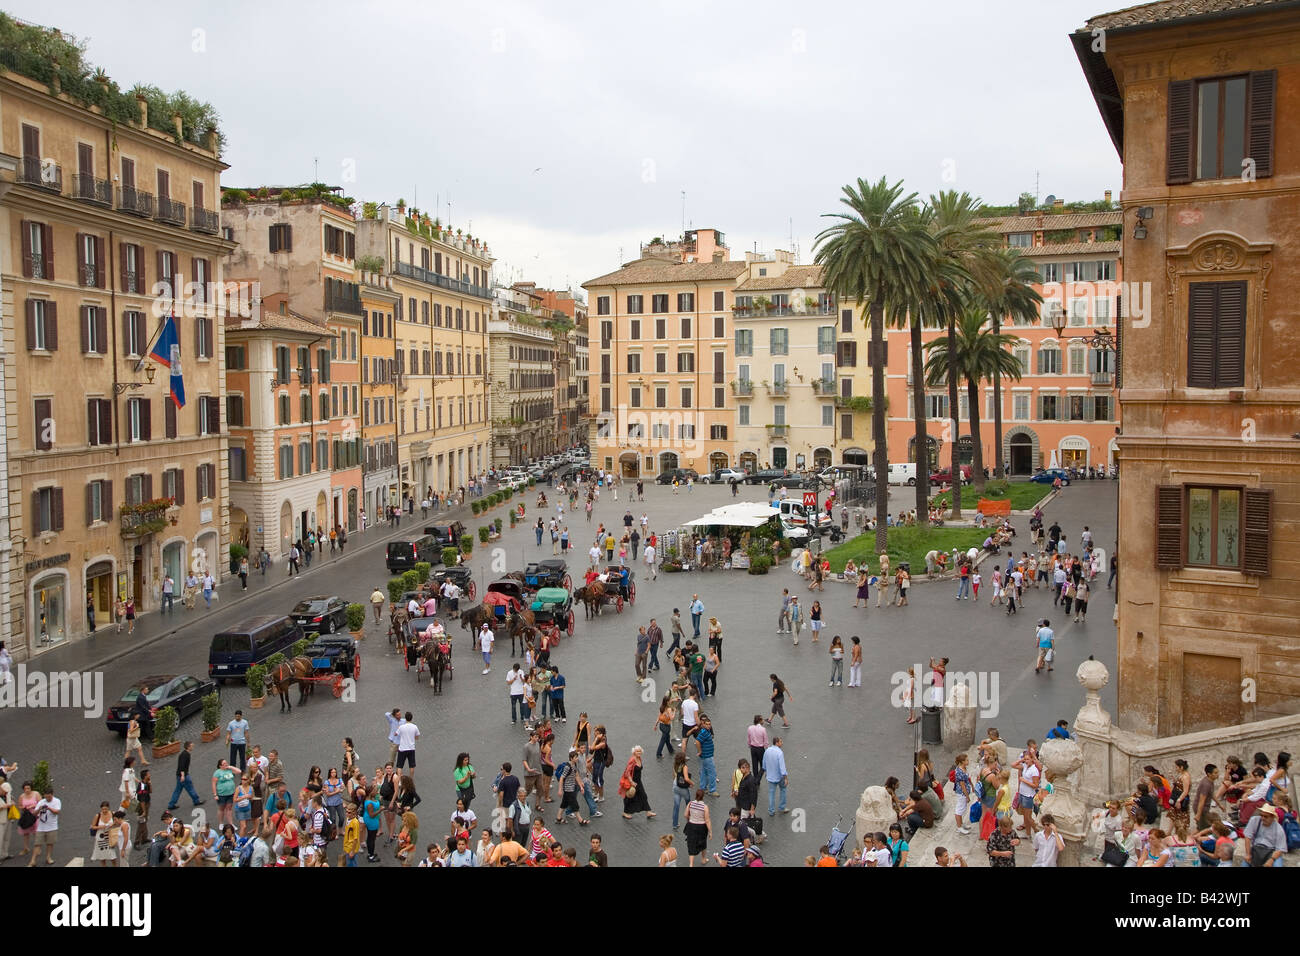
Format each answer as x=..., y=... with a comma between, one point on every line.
x=461, y=575
x=415, y=642
x=550, y=573
x=626, y=591
x=334, y=654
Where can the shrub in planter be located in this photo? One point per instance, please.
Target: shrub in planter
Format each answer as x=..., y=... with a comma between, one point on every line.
x=670, y=566
x=497, y=522
x=449, y=556
x=211, y=715
x=422, y=569
x=300, y=646
x=356, y=617
x=466, y=544
x=256, y=680
x=274, y=661
x=41, y=776
x=760, y=565
x=483, y=534
x=514, y=518
x=396, y=588
x=164, y=726
x=411, y=580
x=531, y=481
x=475, y=507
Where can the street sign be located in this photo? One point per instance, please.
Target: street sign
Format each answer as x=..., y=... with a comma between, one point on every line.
x=810, y=499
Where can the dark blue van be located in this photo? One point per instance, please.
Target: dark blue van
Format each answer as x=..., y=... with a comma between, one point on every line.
x=234, y=651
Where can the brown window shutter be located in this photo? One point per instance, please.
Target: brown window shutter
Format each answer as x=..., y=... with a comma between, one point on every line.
x=81, y=258
x=48, y=252
x=106, y=500
x=1261, y=97
x=87, y=317
x=140, y=282
x=199, y=337
x=52, y=326
x=101, y=329
x=207, y=337
x=92, y=419
x=121, y=258
x=169, y=417
x=1230, y=347
x=1258, y=530
x=99, y=262
x=148, y=487
x=1202, y=301
x=1169, y=526
x=41, y=414
x=36, y=510
x=146, y=414
x=56, y=501
x=1180, y=154
x=105, y=421
x=158, y=258
x=31, y=324
x=126, y=333
x=90, y=512
x=26, y=228
x=180, y=486
x=214, y=416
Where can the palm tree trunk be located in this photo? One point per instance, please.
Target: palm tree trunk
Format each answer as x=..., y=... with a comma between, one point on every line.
x=918, y=413
x=977, y=465
x=954, y=411
x=880, y=452
x=998, y=468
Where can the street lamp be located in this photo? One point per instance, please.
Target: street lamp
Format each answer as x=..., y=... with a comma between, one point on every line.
x=1102, y=340
x=120, y=387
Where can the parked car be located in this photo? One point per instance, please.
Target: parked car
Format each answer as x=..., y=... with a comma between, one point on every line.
x=234, y=651
x=680, y=474
x=1048, y=475
x=797, y=480
x=514, y=481
x=404, y=555
x=181, y=691
x=766, y=476
x=723, y=476
x=944, y=476
x=537, y=471
x=445, y=536
x=321, y=613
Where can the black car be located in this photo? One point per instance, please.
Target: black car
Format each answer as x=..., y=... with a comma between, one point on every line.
x=680, y=474
x=322, y=614
x=765, y=477
x=795, y=480
x=181, y=691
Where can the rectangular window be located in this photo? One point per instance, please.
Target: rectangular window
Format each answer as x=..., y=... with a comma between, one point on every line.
x=606, y=334
x=719, y=366
x=235, y=360
x=99, y=421
x=137, y=419
x=1220, y=127
x=686, y=397
x=604, y=368
x=686, y=328
x=719, y=327
x=1020, y=240
x=281, y=237
x=99, y=501
x=43, y=409
x=719, y=398
x=1101, y=408
x=1050, y=271
x=634, y=329
x=659, y=302
x=826, y=340
x=633, y=362
x=47, y=508
x=286, y=461
x=602, y=305
x=846, y=426
x=828, y=415
x=779, y=340
x=719, y=301
x=686, y=302
x=1020, y=407
x=744, y=341
x=42, y=325
x=1214, y=527
x=686, y=430
x=718, y=432
x=778, y=414
x=661, y=362
x=94, y=330
x=235, y=411
x=1216, y=335
x=686, y=361
x=604, y=403
x=1049, y=408
x=936, y=406
x=846, y=354
x=1076, y=361
x=635, y=305
x=237, y=463
x=661, y=329
x=1049, y=361
x=1076, y=409
x=634, y=397
x=742, y=415
x=661, y=398
x=846, y=321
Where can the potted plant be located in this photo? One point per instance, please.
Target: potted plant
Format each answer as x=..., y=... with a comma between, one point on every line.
x=396, y=588
x=164, y=733
x=475, y=507
x=497, y=522
x=466, y=544
x=401, y=206
x=300, y=646
x=41, y=776
x=256, y=680
x=760, y=565
x=422, y=569
x=761, y=304
x=211, y=717
x=513, y=520
x=357, y=620
x=483, y=533
x=449, y=556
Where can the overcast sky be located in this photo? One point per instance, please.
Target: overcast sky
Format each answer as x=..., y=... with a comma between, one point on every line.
x=565, y=133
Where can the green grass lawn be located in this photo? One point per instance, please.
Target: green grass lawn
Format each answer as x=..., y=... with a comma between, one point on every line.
x=905, y=544
x=1023, y=494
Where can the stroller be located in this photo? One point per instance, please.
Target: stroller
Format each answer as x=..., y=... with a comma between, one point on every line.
x=838, y=838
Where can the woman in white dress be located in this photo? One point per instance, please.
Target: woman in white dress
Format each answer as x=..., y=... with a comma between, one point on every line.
x=123, y=831
x=130, y=784
x=104, y=850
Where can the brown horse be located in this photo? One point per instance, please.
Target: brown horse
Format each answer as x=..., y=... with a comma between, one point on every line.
x=438, y=661
x=298, y=671
x=472, y=619
x=592, y=597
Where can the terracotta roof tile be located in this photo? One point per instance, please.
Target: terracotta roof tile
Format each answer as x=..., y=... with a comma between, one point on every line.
x=646, y=271
x=795, y=277
x=276, y=321
x=1070, y=249
x=1165, y=11
x=1066, y=220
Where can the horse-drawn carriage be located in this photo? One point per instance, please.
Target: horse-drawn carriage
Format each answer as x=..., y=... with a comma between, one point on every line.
x=553, y=611
x=461, y=575
x=615, y=590
x=329, y=658
x=427, y=645
x=550, y=573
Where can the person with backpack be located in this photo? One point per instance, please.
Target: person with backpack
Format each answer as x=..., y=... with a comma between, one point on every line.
x=568, y=779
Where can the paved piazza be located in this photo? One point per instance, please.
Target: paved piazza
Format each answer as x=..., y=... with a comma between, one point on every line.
x=840, y=739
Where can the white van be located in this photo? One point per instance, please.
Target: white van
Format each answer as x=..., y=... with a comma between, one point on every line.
x=902, y=474
x=794, y=513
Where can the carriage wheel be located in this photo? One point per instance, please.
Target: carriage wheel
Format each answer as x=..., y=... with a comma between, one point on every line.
x=338, y=685
x=569, y=623
x=568, y=583
x=631, y=593
x=620, y=604
x=471, y=590
x=356, y=667
x=406, y=661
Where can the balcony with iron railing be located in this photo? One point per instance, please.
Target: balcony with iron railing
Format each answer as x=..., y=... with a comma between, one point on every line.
x=780, y=388
x=170, y=211
x=135, y=202
x=39, y=267
x=90, y=189
x=33, y=171
x=742, y=388
x=1103, y=378
x=342, y=301
x=824, y=387
x=463, y=286
x=773, y=311
x=205, y=220
x=778, y=431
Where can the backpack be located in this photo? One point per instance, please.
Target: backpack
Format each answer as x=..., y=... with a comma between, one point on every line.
x=246, y=853
x=1292, y=828
x=525, y=813
x=329, y=830
x=561, y=770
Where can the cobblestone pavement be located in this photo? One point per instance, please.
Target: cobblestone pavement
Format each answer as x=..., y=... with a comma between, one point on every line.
x=840, y=739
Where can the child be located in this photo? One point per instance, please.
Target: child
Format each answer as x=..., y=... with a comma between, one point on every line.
x=997, y=587
x=351, y=837
x=975, y=584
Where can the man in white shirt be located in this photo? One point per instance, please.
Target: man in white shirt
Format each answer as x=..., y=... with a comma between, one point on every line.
x=690, y=716
x=515, y=678
x=1048, y=843
x=451, y=594
x=395, y=721
x=47, y=826
x=407, y=735
x=413, y=608
x=650, y=561
x=485, y=641
x=1027, y=765
x=594, y=555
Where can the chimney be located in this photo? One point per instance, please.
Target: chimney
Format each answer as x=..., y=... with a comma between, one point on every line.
x=719, y=255
x=1107, y=195
x=1059, y=204
x=176, y=123
x=210, y=140
x=143, y=106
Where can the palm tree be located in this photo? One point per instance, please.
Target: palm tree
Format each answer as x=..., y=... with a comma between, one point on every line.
x=879, y=253
x=1013, y=295
x=981, y=353
x=964, y=246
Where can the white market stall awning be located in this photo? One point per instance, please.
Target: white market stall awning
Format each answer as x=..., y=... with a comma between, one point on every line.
x=748, y=514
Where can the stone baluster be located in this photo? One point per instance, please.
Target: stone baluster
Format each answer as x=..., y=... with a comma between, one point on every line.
x=1092, y=728
x=1061, y=758
x=875, y=814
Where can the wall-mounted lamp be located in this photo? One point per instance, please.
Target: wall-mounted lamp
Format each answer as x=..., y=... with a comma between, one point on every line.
x=1144, y=215
x=120, y=387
